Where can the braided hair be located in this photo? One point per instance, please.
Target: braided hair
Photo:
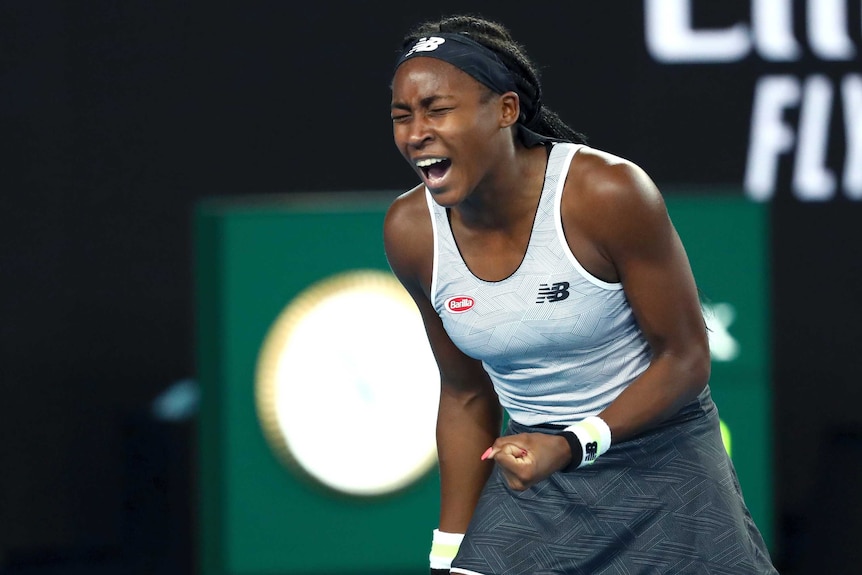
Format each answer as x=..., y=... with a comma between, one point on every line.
x=496, y=37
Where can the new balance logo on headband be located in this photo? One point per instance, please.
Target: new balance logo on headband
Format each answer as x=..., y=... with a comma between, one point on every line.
x=425, y=45
x=553, y=292
x=469, y=56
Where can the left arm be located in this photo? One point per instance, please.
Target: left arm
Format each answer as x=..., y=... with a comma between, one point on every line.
x=656, y=275
x=620, y=215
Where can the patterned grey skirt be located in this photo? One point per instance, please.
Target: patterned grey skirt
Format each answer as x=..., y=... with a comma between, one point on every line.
x=665, y=502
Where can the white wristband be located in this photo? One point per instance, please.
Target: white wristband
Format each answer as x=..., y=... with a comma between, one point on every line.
x=444, y=547
x=594, y=436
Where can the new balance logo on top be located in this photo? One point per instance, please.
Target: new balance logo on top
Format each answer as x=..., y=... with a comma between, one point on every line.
x=553, y=292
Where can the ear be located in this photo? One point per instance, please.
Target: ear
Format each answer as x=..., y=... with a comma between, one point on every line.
x=510, y=109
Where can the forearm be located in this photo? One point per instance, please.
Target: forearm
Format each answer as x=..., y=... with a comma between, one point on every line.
x=670, y=382
x=467, y=424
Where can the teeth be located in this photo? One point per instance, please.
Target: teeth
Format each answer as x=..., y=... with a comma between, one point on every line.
x=428, y=162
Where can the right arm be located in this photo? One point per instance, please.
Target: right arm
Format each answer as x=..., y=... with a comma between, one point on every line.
x=469, y=416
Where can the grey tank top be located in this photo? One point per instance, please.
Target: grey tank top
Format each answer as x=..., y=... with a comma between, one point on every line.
x=558, y=343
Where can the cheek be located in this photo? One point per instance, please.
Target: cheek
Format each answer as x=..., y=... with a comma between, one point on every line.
x=480, y=136
x=399, y=137
x=482, y=125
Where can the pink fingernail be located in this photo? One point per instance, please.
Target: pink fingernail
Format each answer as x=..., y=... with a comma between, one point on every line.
x=523, y=453
x=487, y=453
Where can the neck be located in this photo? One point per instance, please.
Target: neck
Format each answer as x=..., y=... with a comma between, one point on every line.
x=508, y=194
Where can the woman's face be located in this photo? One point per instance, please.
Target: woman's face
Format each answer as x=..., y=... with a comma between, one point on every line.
x=448, y=126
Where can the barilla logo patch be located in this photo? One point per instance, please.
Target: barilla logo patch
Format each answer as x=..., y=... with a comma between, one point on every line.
x=428, y=44
x=459, y=304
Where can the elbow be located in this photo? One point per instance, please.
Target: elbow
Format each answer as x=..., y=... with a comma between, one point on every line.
x=689, y=367
x=698, y=368
x=467, y=395
x=700, y=378
x=469, y=398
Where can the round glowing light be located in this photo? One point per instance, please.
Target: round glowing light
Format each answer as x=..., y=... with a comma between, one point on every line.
x=347, y=387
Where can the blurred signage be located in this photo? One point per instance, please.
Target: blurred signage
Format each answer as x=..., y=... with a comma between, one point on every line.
x=806, y=105
x=722, y=345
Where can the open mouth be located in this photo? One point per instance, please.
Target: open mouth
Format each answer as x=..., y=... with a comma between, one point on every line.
x=434, y=169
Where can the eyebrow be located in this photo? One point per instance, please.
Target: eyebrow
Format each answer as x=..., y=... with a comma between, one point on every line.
x=425, y=102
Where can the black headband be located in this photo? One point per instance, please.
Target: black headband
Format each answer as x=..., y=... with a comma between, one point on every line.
x=465, y=54
x=478, y=61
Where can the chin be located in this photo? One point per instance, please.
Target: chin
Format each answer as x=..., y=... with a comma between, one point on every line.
x=446, y=197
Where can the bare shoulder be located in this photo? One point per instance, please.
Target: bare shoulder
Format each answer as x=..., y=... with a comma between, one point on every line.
x=408, y=237
x=604, y=189
x=599, y=176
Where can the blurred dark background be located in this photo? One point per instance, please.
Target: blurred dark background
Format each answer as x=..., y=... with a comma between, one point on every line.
x=117, y=117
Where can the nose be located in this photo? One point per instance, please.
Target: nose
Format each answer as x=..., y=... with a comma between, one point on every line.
x=418, y=132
